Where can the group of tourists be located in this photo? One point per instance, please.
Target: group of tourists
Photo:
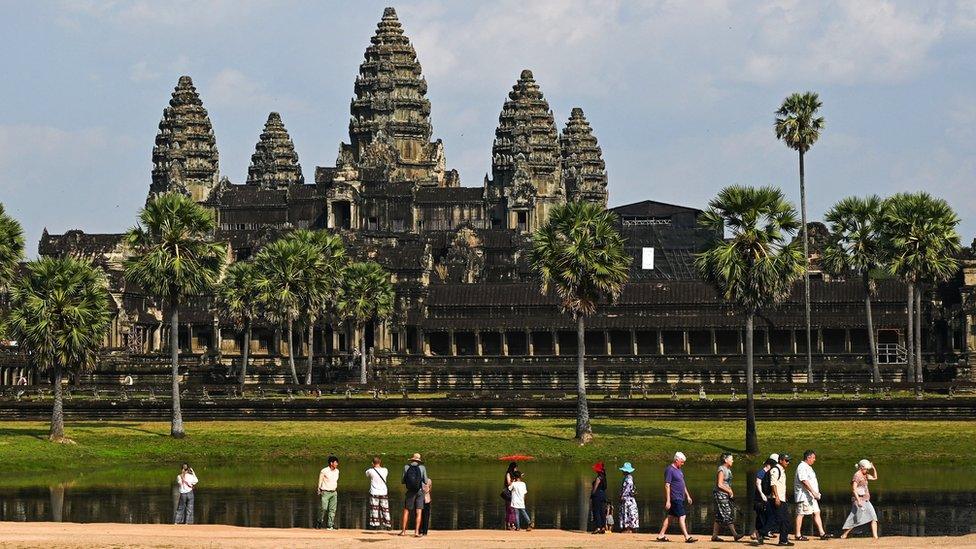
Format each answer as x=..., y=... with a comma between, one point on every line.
x=770, y=499
x=416, y=502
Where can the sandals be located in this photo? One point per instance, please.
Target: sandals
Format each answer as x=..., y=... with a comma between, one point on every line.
x=662, y=539
x=801, y=538
x=690, y=540
x=716, y=539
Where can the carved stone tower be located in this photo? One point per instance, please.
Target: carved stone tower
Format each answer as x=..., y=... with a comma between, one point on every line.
x=390, y=125
x=584, y=172
x=526, y=181
x=274, y=164
x=185, y=156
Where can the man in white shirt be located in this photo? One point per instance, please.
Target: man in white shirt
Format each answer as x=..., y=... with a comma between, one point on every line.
x=328, y=486
x=806, y=492
x=185, y=481
x=379, y=496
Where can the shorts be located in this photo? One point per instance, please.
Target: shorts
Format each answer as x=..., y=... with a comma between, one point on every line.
x=804, y=508
x=677, y=508
x=414, y=501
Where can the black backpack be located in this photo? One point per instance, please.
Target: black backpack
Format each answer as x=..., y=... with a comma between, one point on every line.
x=413, y=478
x=767, y=481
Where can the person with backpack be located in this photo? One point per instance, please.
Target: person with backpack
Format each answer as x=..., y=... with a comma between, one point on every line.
x=379, y=496
x=778, y=515
x=414, y=478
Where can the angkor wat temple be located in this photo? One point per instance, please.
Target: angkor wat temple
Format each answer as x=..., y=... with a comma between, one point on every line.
x=468, y=304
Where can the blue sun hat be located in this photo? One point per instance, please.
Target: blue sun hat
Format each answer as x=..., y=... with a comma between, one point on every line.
x=627, y=468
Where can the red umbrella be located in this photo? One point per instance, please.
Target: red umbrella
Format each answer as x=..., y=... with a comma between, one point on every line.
x=516, y=457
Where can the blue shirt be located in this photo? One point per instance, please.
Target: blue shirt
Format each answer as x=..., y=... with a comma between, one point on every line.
x=676, y=478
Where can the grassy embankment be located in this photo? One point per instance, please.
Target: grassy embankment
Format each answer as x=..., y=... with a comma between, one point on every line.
x=25, y=450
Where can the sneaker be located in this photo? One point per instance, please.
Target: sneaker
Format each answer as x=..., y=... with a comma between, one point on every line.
x=786, y=544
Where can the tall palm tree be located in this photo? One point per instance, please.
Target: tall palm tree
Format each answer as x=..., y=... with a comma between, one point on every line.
x=11, y=247
x=755, y=267
x=855, y=247
x=798, y=125
x=239, y=297
x=366, y=295
x=59, y=316
x=320, y=285
x=920, y=234
x=282, y=269
x=580, y=257
x=174, y=256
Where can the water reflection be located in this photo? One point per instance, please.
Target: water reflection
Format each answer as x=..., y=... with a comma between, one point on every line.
x=940, y=502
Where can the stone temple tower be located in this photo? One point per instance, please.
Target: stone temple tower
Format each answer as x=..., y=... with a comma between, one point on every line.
x=274, y=164
x=583, y=170
x=526, y=177
x=185, y=156
x=390, y=125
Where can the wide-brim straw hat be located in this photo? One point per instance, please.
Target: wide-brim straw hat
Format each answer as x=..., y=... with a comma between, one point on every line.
x=628, y=468
x=416, y=457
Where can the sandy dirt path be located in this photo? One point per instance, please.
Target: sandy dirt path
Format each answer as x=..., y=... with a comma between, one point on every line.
x=73, y=535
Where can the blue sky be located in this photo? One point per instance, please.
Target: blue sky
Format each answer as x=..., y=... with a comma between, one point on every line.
x=680, y=94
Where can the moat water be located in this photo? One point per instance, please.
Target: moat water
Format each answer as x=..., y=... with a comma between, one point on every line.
x=927, y=499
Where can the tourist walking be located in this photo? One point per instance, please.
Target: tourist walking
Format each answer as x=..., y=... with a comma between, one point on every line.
x=676, y=497
x=598, y=499
x=186, y=481
x=328, y=493
x=507, y=496
x=425, y=515
x=761, y=495
x=414, y=478
x=379, y=496
x=862, y=510
x=629, y=521
x=724, y=498
x=778, y=517
x=806, y=493
x=519, y=489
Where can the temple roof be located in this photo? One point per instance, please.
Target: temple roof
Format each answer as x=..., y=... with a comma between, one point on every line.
x=583, y=169
x=526, y=146
x=274, y=164
x=185, y=157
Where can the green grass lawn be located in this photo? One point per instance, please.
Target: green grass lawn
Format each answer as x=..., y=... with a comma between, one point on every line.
x=24, y=448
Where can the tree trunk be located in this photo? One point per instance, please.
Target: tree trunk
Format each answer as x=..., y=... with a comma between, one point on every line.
x=246, y=350
x=57, y=415
x=752, y=439
x=291, y=353
x=362, y=353
x=910, y=340
x=311, y=352
x=918, y=334
x=873, y=347
x=806, y=273
x=584, y=433
x=176, y=426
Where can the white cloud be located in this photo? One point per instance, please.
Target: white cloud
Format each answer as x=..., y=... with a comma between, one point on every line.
x=231, y=88
x=140, y=72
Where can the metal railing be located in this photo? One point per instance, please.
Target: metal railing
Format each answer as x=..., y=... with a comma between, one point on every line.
x=892, y=353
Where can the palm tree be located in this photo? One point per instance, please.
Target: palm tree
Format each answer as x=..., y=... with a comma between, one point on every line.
x=919, y=233
x=59, y=316
x=366, y=294
x=282, y=268
x=239, y=297
x=579, y=255
x=11, y=247
x=855, y=247
x=320, y=285
x=755, y=267
x=798, y=125
x=173, y=257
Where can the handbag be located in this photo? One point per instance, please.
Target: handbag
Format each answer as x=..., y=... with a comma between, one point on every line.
x=506, y=494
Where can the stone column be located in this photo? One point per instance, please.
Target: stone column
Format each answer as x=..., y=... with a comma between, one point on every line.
x=276, y=341
x=555, y=342
x=660, y=342
x=450, y=335
x=686, y=341
x=847, y=340
x=714, y=341
x=633, y=342
x=191, y=344
x=741, y=337
x=218, y=342
x=820, y=341
x=479, y=350
x=528, y=343
x=504, y=343
x=606, y=342
x=425, y=343
x=793, y=342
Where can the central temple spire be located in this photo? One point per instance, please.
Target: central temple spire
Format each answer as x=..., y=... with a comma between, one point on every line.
x=390, y=123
